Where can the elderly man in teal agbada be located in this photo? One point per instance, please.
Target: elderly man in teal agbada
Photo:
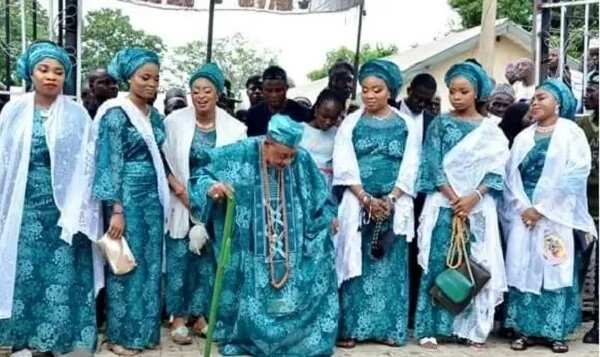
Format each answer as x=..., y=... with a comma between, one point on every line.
x=279, y=291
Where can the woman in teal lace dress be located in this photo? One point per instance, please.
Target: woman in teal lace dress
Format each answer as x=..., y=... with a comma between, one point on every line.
x=462, y=166
x=372, y=155
x=191, y=133
x=131, y=182
x=47, y=272
x=545, y=200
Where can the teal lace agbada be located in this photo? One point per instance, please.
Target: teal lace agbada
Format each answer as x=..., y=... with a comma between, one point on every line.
x=301, y=318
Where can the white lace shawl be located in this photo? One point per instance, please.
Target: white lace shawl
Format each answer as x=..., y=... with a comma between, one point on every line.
x=69, y=137
x=560, y=196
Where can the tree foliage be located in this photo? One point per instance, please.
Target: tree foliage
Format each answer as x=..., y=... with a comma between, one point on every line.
x=14, y=47
x=105, y=32
x=234, y=54
x=518, y=11
x=367, y=53
x=521, y=13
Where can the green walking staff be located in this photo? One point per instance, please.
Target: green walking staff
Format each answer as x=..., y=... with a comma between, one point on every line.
x=224, y=256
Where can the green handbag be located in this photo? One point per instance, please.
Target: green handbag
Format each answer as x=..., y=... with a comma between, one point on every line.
x=455, y=287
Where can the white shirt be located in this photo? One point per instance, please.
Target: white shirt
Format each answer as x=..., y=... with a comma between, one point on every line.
x=319, y=144
x=523, y=92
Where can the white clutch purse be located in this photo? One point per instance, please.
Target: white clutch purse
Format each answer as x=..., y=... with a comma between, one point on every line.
x=198, y=238
x=117, y=253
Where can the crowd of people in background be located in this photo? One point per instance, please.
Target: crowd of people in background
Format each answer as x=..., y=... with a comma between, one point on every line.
x=352, y=219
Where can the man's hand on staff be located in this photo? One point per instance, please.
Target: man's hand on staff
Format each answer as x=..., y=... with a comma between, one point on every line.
x=220, y=191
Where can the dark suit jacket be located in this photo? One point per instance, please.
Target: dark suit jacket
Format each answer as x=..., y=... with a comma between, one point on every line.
x=258, y=117
x=427, y=118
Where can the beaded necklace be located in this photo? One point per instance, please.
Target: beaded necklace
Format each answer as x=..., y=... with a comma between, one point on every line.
x=271, y=219
x=383, y=117
x=545, y=129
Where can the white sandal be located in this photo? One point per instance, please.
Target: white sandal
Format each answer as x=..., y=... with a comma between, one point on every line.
x=181, y=335
x=429, y=343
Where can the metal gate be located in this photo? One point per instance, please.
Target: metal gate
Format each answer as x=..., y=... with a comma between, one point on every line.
x=567, y=26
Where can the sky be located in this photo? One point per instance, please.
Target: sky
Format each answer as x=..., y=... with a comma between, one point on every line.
x=302, y=41
x=299, y=41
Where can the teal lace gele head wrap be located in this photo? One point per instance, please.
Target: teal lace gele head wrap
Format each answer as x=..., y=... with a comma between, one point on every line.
x=283, y=130
x=384, y=70
x=473, y=73
x=211, y=72
x=563, y=95
x=128, y=60
x=39, y=51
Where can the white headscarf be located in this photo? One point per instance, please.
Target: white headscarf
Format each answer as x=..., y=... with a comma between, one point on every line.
x=69, y=137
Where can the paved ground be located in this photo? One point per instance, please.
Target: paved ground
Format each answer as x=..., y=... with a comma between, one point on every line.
x=495, y=348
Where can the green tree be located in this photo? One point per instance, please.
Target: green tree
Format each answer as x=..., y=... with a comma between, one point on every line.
x=574, y=29
x=367, y=53
x=234, y=54
x=14, y=47
x=105, y=32
x=521, y=13
x=518, y=11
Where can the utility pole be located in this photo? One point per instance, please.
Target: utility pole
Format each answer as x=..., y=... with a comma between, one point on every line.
x=487, y=39
x=211, y=24
x=361, y=13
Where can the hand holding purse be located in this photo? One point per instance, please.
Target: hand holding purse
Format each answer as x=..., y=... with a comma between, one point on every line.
x=117, y=253
x=455, y=287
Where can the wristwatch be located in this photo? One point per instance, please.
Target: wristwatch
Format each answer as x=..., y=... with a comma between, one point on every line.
x=392, y=198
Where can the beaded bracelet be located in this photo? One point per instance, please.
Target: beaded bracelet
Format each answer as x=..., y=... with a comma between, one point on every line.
x=366, y=198
x=479, y=194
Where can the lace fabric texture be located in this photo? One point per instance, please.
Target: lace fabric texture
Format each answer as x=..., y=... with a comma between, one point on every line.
x=301, y=318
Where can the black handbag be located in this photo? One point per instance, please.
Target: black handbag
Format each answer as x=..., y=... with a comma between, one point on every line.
x=455, y=288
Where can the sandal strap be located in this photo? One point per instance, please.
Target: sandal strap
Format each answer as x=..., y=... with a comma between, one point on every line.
x=520, y=343
x=123, y=351
x=560, y=345
x=181, y=331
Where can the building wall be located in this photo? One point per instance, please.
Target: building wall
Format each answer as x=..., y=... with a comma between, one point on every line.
x=505, y=51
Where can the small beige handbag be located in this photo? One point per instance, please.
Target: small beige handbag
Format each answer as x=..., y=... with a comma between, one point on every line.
x=117, y=253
